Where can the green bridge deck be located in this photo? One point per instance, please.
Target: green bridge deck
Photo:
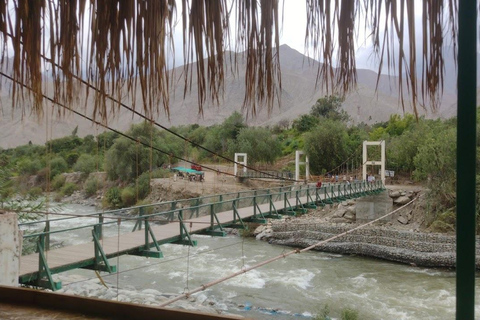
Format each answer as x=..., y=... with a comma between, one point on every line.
x=174, y=225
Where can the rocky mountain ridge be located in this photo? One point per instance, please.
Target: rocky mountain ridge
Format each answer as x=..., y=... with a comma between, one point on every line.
x=299, y=93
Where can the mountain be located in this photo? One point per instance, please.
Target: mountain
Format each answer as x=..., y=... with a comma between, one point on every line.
x=299, y=93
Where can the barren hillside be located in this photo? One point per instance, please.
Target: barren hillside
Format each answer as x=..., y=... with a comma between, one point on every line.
x=298, y=95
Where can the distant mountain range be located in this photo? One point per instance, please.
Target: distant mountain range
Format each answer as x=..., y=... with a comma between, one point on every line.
x=298, y=95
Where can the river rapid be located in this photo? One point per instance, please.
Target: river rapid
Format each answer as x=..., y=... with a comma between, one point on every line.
x=297, y=287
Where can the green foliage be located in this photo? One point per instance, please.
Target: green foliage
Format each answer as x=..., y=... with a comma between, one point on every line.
x=57, y=165
x=29, y=166
x=91, y=186
x=112, y=198
x=161, y=173
x=86, y=164
x=305, y=123
x=329, y=107
x=68, y=188
x=75, y=131
x=58, y=182
x=89, y=145
x=106, y=139
x=72, y=158
x=231, y=127
x=435, y=162
x=128, y=197
x=326, y=146
x=258, y=143
x=444, y=222
x=143, y=185
x=34, y=192
x=324, y=313
x=220, y=138
x=349, y=314
x=126, y=160
x=63, y=144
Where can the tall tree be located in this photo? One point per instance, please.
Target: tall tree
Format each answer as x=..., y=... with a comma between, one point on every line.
x=325, y=146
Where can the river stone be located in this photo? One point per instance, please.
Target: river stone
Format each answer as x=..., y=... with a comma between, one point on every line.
x=402, y=220
x=394, y=194
x=340, y=212
x=259, y=230
x=349, y=215
x=73, y=177
x=151, y=291
x=402, y=200
x=339, y=220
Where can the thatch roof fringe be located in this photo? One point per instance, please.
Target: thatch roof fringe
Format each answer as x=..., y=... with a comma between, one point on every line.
x=126, y=43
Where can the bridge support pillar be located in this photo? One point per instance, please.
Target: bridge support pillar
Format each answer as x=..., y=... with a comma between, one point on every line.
x=372, y=207
x=10, y=249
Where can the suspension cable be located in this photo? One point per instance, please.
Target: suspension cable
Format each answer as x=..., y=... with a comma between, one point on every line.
x=123, y=105
x=110, y=128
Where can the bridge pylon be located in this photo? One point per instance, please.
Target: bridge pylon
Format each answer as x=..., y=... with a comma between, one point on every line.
x=381, y=163
x=298, y=154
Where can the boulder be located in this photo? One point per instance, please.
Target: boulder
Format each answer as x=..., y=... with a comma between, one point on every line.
x=349, y=215
x=259, y=230
x=74, y=177
x=351, y=202
x=339, y=220
x=340, y=212
x=394, y=194
x=402, y=220
x=402, y=200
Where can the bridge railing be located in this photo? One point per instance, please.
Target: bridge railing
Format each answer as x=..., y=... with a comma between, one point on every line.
x=134, y=218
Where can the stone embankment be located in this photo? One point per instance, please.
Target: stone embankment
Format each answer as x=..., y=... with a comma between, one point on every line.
x=420, y=249
x=397, y=239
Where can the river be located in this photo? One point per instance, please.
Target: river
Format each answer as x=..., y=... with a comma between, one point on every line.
x=299, y=286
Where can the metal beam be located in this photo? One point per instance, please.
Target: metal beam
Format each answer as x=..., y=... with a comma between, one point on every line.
x=466, y=157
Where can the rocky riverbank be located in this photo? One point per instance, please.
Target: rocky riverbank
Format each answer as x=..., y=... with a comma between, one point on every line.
x=400, y=238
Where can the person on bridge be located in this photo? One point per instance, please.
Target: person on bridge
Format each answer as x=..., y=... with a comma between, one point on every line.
x=319, y=184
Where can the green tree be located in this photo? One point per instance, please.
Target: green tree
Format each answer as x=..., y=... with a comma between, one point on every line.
x=57, y=165
x=258, y=143
x=435, y=163
x=86, y=164
x=106, y=139
x=325, y=146
x=231, y=127
x=63, y=144
x=126, y=159
x=329, y=107
x=305, y=123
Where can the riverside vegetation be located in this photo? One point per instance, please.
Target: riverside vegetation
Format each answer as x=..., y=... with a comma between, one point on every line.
x=419, y=149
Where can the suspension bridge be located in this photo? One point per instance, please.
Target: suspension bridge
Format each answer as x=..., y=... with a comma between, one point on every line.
x=141, y=230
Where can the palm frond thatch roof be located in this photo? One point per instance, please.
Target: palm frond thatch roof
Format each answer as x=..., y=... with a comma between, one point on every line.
x=119, y=45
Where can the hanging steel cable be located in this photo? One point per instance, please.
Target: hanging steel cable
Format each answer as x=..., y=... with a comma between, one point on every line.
x=123, y=105
x=112, y=129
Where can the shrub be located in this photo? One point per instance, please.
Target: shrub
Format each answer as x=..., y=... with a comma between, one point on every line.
x=72, y=158
x=91, y=186
x=85, y=164
x=143, y=185
x=112, y=198
x=34, y=192
x=29, y=167
x=58, y=182
x=160, y=173
x=324, y=313
x=349, y=314
x=68, y=188
x=57, y=165
x=128, y=196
